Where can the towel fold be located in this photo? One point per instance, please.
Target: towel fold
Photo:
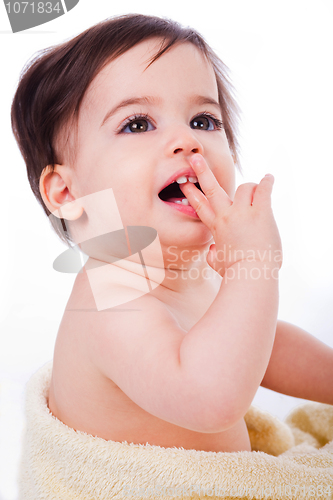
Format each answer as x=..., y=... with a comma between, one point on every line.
x=289, y=460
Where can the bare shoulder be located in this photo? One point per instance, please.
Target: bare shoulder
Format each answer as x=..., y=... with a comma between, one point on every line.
x=285, y=331
x=285, y=325
x=138, y=329
x=143, y=316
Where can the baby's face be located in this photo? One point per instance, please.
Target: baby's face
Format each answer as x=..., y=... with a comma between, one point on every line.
x=139, y=127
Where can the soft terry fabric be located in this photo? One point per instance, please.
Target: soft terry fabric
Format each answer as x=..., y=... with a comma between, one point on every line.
x=291, y=460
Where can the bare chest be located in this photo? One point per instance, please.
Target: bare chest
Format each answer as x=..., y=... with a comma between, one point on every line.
x=84, y=399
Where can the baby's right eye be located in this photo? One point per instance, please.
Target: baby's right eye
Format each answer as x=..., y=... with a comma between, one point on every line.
x=137, y=124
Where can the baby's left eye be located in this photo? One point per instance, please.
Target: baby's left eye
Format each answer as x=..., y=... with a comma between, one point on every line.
x=206, y=122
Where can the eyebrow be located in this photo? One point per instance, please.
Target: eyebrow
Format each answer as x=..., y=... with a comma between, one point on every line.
x=196, y=99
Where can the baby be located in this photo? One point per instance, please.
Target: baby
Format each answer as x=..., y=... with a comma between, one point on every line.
x=141, y=109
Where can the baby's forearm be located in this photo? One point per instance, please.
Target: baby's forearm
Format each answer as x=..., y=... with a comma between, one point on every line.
x=228, y=350
x=300, y=366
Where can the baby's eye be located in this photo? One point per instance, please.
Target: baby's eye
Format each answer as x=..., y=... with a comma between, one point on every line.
x=137, y=125
x=205, y=122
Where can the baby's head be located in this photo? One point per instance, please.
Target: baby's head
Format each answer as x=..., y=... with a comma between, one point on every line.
x=124, y=105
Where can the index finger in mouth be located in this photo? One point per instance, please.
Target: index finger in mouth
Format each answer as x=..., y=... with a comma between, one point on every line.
x=213, y=191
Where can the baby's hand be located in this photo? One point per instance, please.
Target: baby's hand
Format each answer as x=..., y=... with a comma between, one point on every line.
x=243, y=229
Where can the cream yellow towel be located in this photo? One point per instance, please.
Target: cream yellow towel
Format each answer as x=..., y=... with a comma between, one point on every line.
x=292, y=460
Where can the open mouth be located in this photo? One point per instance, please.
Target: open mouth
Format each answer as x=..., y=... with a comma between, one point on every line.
x=173, y=194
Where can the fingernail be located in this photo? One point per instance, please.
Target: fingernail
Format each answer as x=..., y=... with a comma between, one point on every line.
x=195, y=159
x=268, y=175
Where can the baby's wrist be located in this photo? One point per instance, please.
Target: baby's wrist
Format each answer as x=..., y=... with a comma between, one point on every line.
x=252, y=269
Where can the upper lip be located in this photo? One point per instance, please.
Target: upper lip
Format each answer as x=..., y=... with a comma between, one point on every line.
x=188, y=172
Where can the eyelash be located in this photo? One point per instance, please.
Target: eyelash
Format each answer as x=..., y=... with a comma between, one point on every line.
x=218, y=123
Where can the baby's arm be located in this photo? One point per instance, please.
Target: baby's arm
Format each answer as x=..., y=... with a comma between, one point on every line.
x=203, y=379
x=230, y=346
x=300, y=366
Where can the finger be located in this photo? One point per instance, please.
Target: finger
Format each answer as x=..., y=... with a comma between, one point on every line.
x=244, y=194
x=262, y=194
x=199, y=202
x=214, y=193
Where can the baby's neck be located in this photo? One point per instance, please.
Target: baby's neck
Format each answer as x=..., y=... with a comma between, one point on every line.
x=109, y=282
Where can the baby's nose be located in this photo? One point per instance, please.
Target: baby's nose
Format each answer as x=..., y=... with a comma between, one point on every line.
x=183, y=141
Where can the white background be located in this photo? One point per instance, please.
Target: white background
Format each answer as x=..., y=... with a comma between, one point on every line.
x=280, y=57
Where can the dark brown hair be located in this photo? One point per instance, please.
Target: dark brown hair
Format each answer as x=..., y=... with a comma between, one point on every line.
x=52, y=86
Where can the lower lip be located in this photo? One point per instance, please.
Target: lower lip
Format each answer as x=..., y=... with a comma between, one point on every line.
x=185, y=209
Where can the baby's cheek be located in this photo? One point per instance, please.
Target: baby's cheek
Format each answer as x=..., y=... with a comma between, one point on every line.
x=131, y=201
x=225, y=173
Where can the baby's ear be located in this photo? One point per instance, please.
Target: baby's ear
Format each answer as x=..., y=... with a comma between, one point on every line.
x=56, y=195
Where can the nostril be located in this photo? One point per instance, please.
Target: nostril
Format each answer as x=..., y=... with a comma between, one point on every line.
x=178, y=150
x=195, y=150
